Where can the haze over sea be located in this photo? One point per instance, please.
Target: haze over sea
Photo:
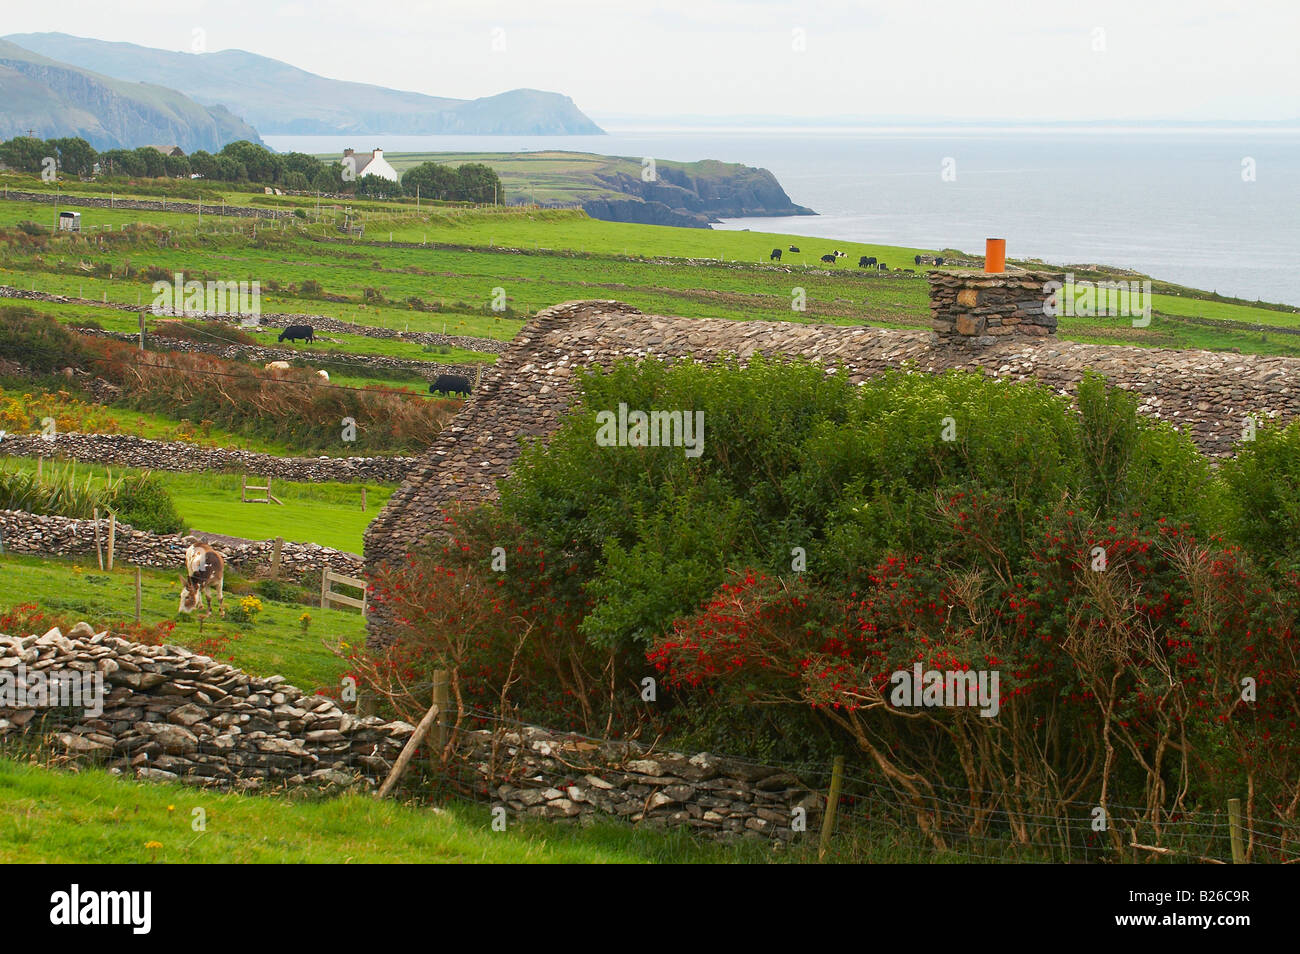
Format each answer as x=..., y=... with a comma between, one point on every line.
x=1166, y=200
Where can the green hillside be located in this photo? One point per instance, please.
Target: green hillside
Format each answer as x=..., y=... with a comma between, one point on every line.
x=279, y=98
x=55, y=99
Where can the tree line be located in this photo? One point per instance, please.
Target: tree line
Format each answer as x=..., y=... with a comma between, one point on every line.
x=245, y=162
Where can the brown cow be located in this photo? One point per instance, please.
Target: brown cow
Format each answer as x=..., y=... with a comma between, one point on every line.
x=206, y=570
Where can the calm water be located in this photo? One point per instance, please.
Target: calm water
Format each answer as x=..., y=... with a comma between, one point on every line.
x=1172, y=203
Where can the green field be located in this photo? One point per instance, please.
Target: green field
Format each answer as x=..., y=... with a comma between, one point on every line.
x=567, y=256
x=463, y=260
x=274, y=645
x=58, y=817
x=326, y=513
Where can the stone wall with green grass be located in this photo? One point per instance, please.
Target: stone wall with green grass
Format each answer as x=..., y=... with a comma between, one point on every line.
x=22, y=532
x=128, y=450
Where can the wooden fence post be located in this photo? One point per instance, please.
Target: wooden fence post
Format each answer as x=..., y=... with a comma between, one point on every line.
x=441, y=701
x=40, y=462
x=832, y=807
x=324, y=587
x=363, y=498
x=99, y=553
x=408, y=751
x=112, y=537
x=275, y=557
x=137, y=594
x=1234, y=831
x=142, y=331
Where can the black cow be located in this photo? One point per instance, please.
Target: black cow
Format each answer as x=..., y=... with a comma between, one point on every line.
x=294, y=332
x=451, y=384
x=916, y=260
x=829, y=258
x=938, y=261
x=883, y=267
x=866, y=261
x=794, y=248
x=775, y=256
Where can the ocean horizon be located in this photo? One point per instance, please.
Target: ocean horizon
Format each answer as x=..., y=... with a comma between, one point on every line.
x=1210, y=207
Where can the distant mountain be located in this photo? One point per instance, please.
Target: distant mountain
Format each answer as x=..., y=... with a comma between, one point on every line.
x=54, y=99
x=281, y=99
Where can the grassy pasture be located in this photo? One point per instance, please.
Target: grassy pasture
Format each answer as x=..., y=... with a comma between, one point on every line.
x=63, y=817
x=586, y=260
x=273, y=645
x=326, y=513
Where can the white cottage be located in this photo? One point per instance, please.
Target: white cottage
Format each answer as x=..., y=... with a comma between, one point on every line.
x=373, y=165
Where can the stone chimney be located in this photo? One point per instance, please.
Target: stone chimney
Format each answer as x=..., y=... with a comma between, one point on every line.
x=979, y=308
x=347, y=153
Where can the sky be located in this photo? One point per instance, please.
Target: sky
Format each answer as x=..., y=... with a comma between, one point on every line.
x=811, y=60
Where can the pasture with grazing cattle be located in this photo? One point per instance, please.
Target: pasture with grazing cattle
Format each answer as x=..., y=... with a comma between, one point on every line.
x=604, y=561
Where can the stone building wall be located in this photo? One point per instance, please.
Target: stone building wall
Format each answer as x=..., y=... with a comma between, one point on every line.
x=976, y=308
x=1209, y=394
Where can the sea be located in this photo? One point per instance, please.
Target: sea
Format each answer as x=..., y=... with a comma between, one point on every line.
x=1214, y=208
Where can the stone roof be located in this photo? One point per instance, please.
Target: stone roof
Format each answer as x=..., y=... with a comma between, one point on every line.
x=1209, y=394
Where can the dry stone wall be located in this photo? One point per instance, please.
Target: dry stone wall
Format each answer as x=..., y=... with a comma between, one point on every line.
x=551, y=775
x=167, y=713
x=172, y=714
x=126, y=450
x=147, y=205
x=22, y=532
x=240, y=352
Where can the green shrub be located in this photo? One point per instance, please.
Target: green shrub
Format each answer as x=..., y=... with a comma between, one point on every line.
x=143, y=502
x=793, y=458
x=1136, y=463
x=57, y=494
x=1262, y=484
x=280, y=591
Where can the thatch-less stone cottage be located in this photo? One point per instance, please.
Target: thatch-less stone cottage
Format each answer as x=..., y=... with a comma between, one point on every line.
x=1210, y=394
